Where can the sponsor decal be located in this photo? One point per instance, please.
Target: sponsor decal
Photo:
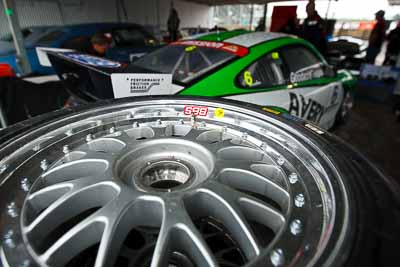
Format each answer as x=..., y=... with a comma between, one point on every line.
x=275, y=55
x=190, y=48
x=92, y=60
x=308, y=109
x=271, y=111
x=230, y=48
x=314, y=128
x=309, y=73
x=195, y=111
x=133, y=84
x=219, y=113
x=291, y=117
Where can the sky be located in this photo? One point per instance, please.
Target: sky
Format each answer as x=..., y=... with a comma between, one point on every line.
x=345, y=9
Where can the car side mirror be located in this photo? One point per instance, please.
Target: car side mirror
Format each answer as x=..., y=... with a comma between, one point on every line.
x=330, y=71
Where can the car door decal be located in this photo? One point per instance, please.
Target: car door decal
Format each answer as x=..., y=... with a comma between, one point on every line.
x=308, y=109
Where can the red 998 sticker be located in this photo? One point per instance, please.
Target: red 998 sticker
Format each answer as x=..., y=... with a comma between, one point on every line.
x=195, y=110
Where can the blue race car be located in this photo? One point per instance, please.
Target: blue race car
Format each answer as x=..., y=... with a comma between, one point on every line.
x=129, y=41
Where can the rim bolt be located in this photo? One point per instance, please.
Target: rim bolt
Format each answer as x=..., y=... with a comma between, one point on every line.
x=181, y=121
x=112, y=130
x=159, y=122
x=25, y=184
x=299, y=200
x=12, y=210
x=293, y=178
x=244, y=136
x=36, y=148
x=44, y=165
x=280, y=160
x=8, y=239
x=135, y=124
x=99, y=123
x=203, y=124
x=69, y=132
x=65, y=149
x=277, y=257
x=296, y=227
x=89, y=138
x=3, y=168
x=158, y=113
x=129, y=116
x=263, y=146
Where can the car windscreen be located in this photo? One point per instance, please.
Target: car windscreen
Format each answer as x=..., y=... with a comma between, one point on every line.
x=185, y=62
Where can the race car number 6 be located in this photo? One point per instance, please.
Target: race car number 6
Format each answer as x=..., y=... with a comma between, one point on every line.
x=248, y=79
x=195, y=110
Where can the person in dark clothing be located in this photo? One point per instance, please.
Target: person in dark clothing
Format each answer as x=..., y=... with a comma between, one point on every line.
x=100, y=43
x=376, y=38
x=173, y=24
x=314, y=28
x=261, y=25
x=291, y=27
x=393, y=48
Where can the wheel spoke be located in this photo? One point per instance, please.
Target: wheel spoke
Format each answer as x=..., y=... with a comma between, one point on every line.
x=218, y=201
x=178, y=233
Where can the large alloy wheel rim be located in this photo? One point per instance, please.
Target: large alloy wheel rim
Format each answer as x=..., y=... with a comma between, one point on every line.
x=83, y=187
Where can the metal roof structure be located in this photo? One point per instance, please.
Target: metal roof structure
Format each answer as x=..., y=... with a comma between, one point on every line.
x=394, y=2
x=243, y=2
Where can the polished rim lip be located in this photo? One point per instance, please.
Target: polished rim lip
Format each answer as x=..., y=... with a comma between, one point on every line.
x=166, y=102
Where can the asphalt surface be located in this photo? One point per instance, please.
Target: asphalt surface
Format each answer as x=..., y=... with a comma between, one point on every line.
x=373, y=130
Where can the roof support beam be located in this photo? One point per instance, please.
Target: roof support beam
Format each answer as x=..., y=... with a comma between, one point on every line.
x=15, y=29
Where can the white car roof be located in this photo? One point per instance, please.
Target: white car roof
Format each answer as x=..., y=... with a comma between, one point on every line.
x=254, y=38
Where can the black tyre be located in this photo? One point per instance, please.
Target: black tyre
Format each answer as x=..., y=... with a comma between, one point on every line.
x=143, y=181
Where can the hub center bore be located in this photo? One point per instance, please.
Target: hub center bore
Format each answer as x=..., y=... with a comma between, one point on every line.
x=165, y=175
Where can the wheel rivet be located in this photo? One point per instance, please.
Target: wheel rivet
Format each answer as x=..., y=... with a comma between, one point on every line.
x=12, y=210
x=293, y=178
x=25, y=184
x=281, y=160
x=44, y=165
x=135, y=124
x=89, y=138
x=69, y=132
x=244, y=136
x=299, y=200
x=8, y=239
x=129, y=116
x=3, y=168
x=203, y=124
x=159, y=122
x=36, y=148
x=263, y=146
x=65, y=149
x=181, y=121
x=296, y=227
x=277, y=257
x=99, y=123
x=112, y=130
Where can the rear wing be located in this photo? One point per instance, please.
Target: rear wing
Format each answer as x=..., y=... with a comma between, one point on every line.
x=84, y=76
x=91, y=78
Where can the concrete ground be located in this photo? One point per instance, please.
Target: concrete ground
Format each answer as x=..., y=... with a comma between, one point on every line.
x=373, y=130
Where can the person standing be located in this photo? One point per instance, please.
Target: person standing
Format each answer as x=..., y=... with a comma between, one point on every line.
x=376, y=38
x=173, y=23
x=313, y=29
x=393, y=48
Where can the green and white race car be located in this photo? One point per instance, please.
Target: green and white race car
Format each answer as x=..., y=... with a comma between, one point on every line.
x=267, y=69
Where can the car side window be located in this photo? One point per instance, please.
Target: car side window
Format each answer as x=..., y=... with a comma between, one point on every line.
x=129, y=37
x=50, y=37
x=268, y=71
x=303, y=64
